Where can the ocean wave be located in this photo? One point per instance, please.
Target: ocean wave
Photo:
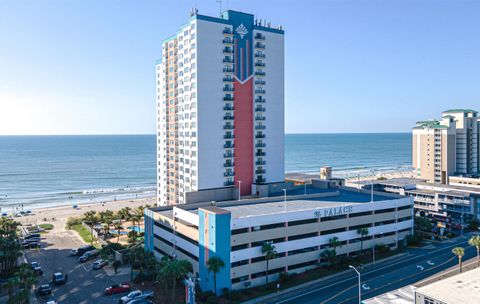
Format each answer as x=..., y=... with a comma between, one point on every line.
x=121, y=189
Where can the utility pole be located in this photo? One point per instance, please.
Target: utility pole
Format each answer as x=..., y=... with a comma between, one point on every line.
x=359, y=284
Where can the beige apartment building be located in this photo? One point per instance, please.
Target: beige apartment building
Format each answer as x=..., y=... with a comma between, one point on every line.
x=446, y=147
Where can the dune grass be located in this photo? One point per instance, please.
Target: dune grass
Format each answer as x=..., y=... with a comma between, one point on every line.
x=83, y=232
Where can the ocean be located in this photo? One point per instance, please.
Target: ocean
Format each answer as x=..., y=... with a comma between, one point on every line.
x=41, y=171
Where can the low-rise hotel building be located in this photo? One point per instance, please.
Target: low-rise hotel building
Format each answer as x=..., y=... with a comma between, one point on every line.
x=299, y=227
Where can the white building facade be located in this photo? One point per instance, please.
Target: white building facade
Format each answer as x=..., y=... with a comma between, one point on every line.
x=220, y=106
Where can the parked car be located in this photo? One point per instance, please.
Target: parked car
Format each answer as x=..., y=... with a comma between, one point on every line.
x=88, y=255
x=59, y=278
x=80, y=251
x=137, y=294
x=118, y=288
x=31, y=245
x=140, y=301
x=99, y=264
x=44, y=289
x=32, y=235
x=36, y=268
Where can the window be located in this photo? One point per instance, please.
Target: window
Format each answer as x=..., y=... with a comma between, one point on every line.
x=384, y=211
x=302, y=236
x=302, y=222
x=239, y=247
x=360, y=214
x=332, y=218
x=240, y=263
x=333, y=231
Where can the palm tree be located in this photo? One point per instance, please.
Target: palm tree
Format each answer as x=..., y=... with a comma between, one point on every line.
x=176, y=269
x=329, y=255
x=334, y=243
x=269, y=252
x=118, y=227
x=91, y=219
x=363, y=232
x=26, y=276
x=475, y=241
x=136, y=217
x=459, y=252
x=214, y=264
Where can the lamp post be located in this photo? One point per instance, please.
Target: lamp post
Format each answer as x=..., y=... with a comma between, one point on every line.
x=285, y=201
x=359, y=284
x=239, y=190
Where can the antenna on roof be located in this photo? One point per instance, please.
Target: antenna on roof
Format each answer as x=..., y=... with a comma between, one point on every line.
x=220, y=7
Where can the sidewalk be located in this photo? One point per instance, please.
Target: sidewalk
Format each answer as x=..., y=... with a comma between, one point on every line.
x=276, y=296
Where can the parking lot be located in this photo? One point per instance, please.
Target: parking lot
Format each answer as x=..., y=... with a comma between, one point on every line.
x=84, y=285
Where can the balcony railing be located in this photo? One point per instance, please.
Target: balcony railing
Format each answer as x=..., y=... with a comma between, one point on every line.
x=260, y=109
x=260, y=145
x=228, y=89
x=228, y=173
x=260, y=91
x=228, y=127
x=259, y=64
x=229, y=183
x=228, y=165
x=228, y=117
x=259, y=135
x=260, y=117
x=228, y=136
x=227, y=51
x=260, y=153
x=260, y=162
x=228, y=108
x=259, y=36
x=259, y=45
x=260, y=180
x=228, y=146
x=227, y=60
x=228, y=70
x=227, y=31
x=260, y=127
x=228, y=98
x=259, y=73
x=260, y=99
x=259, y=55
x=228, y=79
x=228, y=155
x=259, y=81
x=227, y=41
x=260, y=171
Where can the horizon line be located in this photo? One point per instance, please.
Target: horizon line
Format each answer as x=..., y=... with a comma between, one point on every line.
x=139, y=134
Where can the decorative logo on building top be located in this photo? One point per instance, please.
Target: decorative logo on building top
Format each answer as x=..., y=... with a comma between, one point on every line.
x=242, y=30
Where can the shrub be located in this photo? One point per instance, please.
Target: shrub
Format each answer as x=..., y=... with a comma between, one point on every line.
x=382, y=248
x=235, y=295
x=473, y=225
x=283, y=277
x=414, y=240
x=73, y=221
x=225, y=292
x=213, y=299
x=203, y=296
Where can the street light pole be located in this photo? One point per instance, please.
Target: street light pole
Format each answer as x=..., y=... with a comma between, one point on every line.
x=359, y=284
x=305, y=184
x=239, y=190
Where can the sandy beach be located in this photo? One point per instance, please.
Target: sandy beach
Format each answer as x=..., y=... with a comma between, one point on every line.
x=59, y=215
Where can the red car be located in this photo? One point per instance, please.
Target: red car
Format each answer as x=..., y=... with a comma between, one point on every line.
x=119, y=288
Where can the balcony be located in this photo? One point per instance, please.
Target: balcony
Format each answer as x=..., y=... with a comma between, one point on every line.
x=259, y=73
x=228, y=117
x=228, y=174
x=258, y=81
x=228, y=70
x=228, y=155
x=227, y=79
x=228, y=164
x=259, y=64
x=228, y=127
x=260, y=117
x=227, y=41
x=229, y=183
x=228, y=146
x=228, y=89
x=227, y=31
x=227, y=60
x=228, y=98
x=260, y=99
x=260, y=46
x=260, y=109
x=259, y=36
x=228, y=107
x=259, y=135
x=260, y=91
x=260, y=180
x=227, y=50
x=260, y=163
x=260, y=127
x=260, y=153
x=260, y=145
x=260, y=171
x=228, y=136
x=259, y=55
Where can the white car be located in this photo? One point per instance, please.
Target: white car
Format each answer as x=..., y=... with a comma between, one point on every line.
x=137, y=294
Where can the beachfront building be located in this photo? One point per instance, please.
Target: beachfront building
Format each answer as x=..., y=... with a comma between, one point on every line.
x=300, y=227
x=446, y=147
x=220, y=107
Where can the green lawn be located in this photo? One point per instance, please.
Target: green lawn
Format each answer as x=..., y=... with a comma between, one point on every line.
x=46, y=226
x=83, y=232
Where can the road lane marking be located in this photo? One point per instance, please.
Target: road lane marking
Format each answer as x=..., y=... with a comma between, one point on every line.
x=420, y=267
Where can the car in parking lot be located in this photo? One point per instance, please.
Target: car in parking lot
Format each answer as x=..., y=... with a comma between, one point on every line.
x=80, y=251
x=117, y=288
x=44, y=289
x=31, y=245
x=140, y=301
x=135, y=295
x=32, y=235
x=59, y=278
x=88, y=255
x=36, y=268
x=99, y=264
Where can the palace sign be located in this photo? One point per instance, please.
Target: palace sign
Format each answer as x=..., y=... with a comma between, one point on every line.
x=333, y=211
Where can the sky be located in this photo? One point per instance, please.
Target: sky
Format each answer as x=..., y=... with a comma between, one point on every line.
x=87, y=67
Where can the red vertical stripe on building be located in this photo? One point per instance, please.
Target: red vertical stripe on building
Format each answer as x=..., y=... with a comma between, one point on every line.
x=243, y=124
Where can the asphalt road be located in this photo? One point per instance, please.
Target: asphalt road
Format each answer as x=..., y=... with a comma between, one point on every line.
x=418, y=265
x=84, y=285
